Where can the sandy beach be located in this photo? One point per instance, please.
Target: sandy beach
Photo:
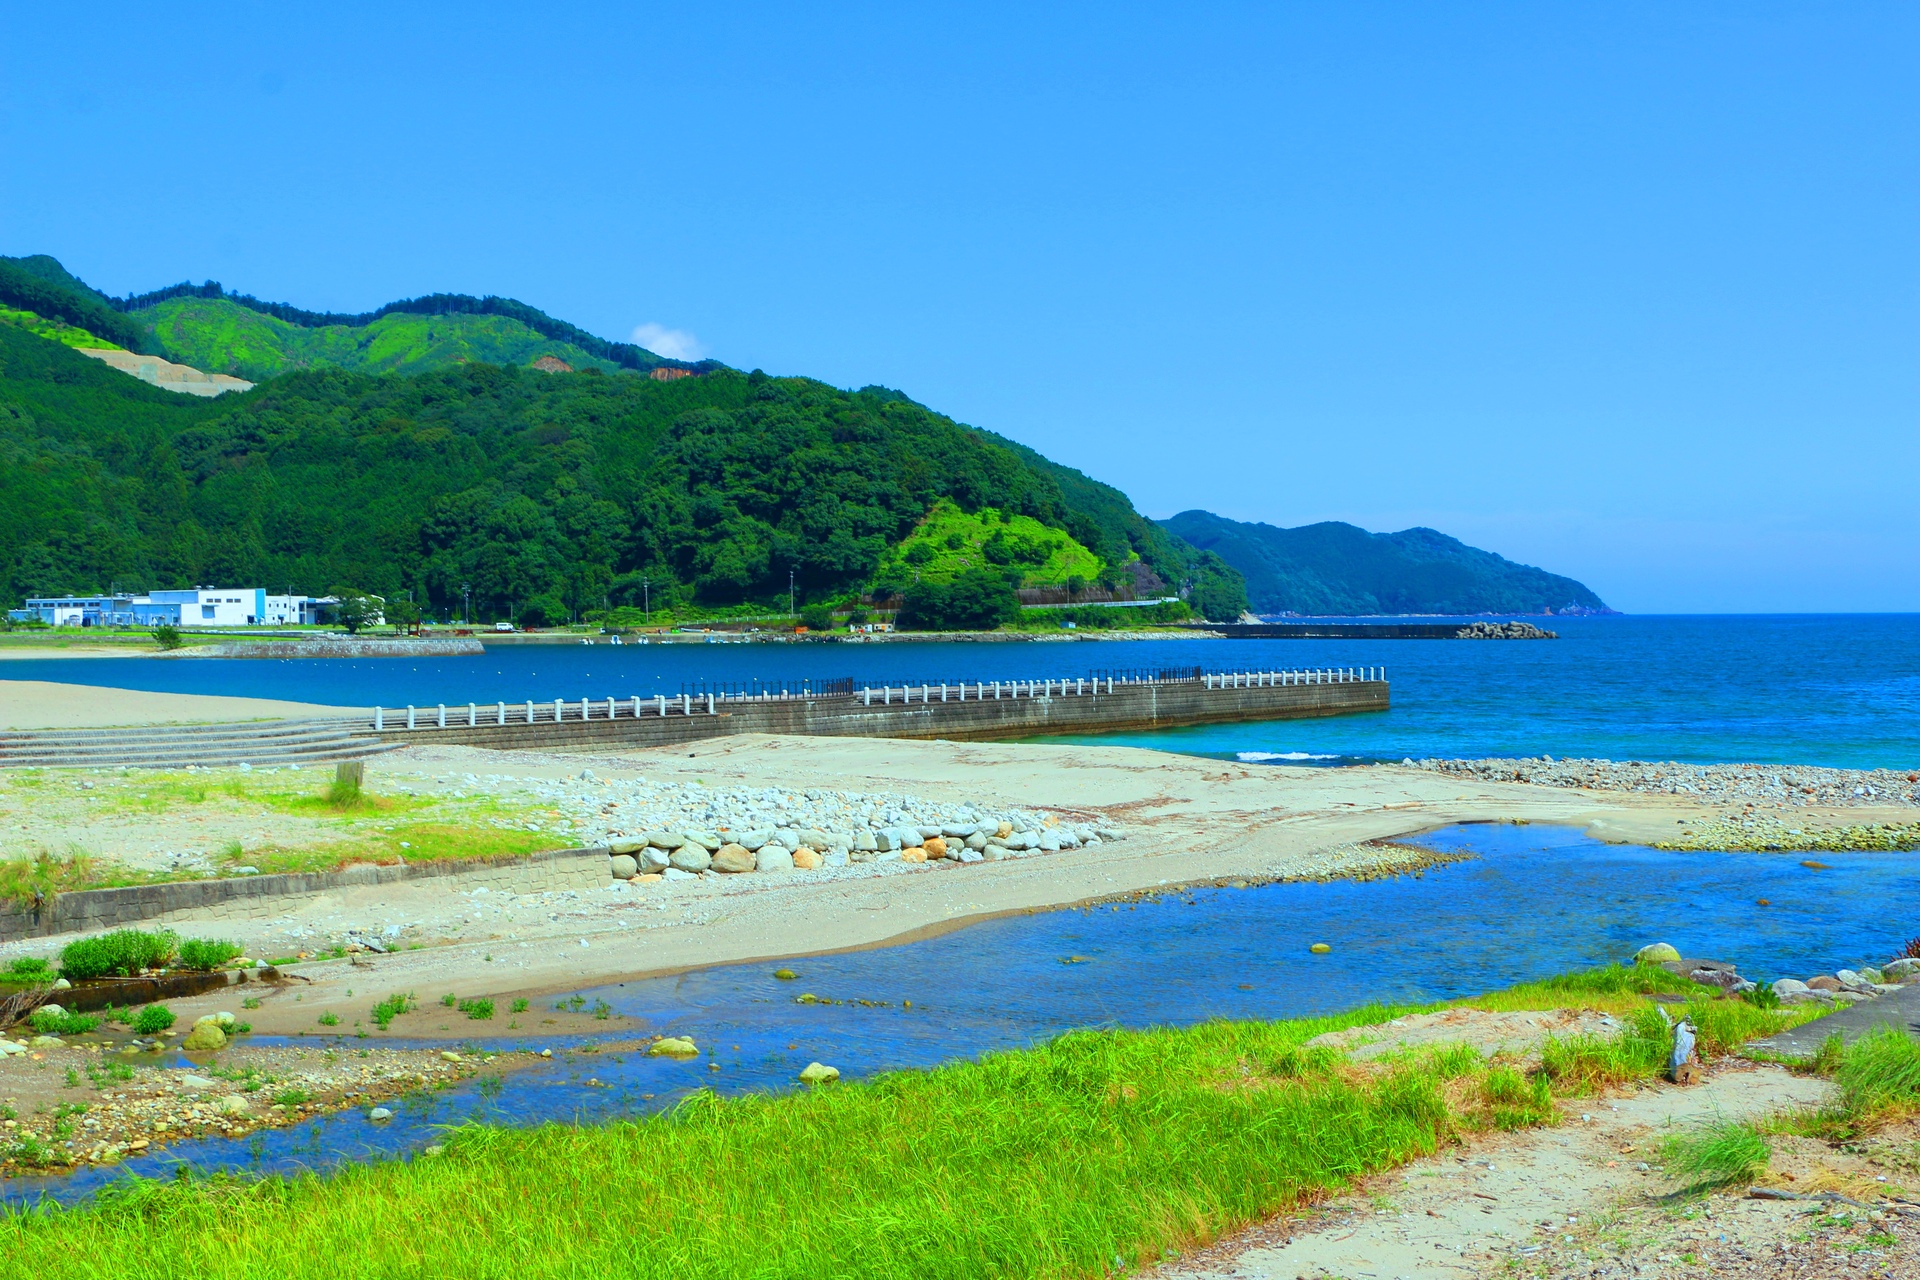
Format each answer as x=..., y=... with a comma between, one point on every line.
x=45, y=704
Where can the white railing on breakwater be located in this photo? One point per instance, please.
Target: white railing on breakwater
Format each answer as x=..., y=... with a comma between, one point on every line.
x=559, y=711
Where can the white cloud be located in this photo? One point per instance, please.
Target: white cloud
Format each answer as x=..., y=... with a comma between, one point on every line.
x=674, y=344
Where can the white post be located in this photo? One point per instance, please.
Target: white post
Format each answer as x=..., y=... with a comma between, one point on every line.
x=710, y=710
x=943, y=691
x=663, y=704
x=529, y=711
x=867, y=696
x=1109, y=684
x=379, y=720
x=409, y=715
x=503, y=713
x=686, y=704
x=559, y=711
x=443, y=715
x=887, y=696
x=636, y=706
x=473, y=715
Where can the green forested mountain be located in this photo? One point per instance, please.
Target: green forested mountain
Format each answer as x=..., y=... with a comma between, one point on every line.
x=1339, y=569
x=559, y=491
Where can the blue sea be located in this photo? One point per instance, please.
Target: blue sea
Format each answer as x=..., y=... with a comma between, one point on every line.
x=1839, y=690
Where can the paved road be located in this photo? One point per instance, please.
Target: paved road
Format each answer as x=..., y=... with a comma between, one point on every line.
x=1900, y=1009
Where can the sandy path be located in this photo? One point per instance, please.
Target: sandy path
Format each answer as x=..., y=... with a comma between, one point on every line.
x=1550, y=1202
x=44, y=704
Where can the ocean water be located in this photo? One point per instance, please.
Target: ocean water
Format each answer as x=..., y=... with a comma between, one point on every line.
x=1801, y=689
x=1532, y=902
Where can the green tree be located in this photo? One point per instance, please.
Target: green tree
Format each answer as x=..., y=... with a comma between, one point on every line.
x=354, y=609
x=978, y=600
x=817, y=617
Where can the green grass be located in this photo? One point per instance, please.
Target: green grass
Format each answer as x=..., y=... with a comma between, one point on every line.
x=1722, y=1153
x=392, y=1007
x=1879, y=1076
x=124, y=951
x=225, y=337
x=207, y=954
x=54, y=330
x=1051, y=1161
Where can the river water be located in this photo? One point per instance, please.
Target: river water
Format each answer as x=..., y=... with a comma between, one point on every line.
x=1802, y=689
x=1532, y=902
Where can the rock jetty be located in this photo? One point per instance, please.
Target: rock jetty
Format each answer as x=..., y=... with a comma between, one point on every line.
x=1504, y=631
x=1761, y=784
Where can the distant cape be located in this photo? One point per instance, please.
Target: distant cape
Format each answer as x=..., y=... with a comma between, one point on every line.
x=1337, y=569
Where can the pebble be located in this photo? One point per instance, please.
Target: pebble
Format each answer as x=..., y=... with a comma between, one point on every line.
x=1796, y=785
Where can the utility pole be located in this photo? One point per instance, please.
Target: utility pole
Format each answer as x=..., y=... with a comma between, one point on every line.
x=790, y=608
x=646, y=598
x=466, y=612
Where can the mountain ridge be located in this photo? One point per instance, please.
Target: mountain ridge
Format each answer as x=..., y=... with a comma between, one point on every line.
x=1337, y=569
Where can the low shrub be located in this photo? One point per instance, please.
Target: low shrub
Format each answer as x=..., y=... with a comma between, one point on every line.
x=1717, y=1154
x=477, y=1009
x=1515, y=1101
x=29, y=969
x=1763, y=996
x=124, y=952
x=329, y=1019
x=151, y=1020
x=206, y=954
x=392, y=1007
x=58, y=1022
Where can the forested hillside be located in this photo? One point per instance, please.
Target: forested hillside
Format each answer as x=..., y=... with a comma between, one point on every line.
x=1339, y=569
x=538, y=492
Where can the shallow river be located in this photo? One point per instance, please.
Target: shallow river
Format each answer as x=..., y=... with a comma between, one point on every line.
x=1534, y=901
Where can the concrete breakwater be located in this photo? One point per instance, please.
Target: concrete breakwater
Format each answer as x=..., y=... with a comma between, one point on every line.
x=337, y=647
x=984, y=710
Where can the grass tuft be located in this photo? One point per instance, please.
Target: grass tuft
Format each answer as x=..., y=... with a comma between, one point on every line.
x=1879, y=1076
x=1722, y=1153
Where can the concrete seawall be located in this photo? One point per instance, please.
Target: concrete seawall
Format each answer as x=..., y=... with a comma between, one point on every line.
x=1158, y=705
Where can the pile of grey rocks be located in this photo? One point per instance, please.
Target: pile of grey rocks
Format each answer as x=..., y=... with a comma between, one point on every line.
x=1719, y=783
x=684, y=855
x=1504, y=631
x=1848, y=986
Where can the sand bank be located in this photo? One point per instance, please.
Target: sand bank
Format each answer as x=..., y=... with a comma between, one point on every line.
x=44, y=704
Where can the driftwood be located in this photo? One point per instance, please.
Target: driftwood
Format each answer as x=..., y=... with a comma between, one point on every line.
x=21, y=1004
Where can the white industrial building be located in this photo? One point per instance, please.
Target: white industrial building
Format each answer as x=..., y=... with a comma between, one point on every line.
x=193, y=607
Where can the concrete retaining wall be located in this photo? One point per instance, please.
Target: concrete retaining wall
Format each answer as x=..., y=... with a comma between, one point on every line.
x=1158, y=705
x=262, y=897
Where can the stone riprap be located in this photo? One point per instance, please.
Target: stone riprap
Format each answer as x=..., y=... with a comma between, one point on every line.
x=680, y=830
x=1759, y=784
x=1848, y=986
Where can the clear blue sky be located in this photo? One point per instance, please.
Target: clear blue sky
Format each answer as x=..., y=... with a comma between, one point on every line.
x=1625, y=291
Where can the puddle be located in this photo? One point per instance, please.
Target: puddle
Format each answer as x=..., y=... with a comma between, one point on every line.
x=1536, y=901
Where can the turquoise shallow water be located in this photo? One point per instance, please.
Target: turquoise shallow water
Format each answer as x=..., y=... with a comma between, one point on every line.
x=1535, y=901
x=1803, y=689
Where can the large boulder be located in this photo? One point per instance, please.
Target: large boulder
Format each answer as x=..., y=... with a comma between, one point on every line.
x=690, y=857
x=1787, y=988
x=814, y=838
x=806, y=860
x=673, y=1047
x=773, y=858
x=1656, y=953
x=864, y=842
x=668, y=840
x=1900, y=970
x=936, y=847
x=205, y=1036
x=705, y=839
x=754, y=839
x=624, y=866
x=628, y=847
x=233, y=1104
x=819, y=1073
x=733, y=859
x=652, y=860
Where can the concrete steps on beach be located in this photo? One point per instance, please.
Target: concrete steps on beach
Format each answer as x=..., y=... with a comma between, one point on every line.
x=266, y=743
